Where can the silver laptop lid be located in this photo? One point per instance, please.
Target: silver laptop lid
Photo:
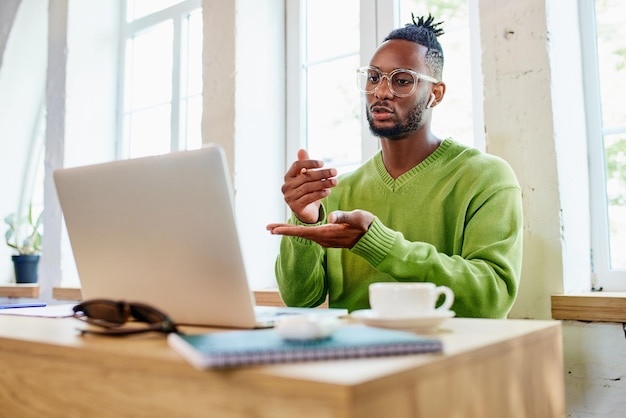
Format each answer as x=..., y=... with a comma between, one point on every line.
x=159, y=230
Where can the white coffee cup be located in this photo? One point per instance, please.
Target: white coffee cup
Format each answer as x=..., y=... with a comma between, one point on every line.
x=408, y=300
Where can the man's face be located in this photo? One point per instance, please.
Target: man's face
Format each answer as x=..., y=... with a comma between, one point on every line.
x=390, y=116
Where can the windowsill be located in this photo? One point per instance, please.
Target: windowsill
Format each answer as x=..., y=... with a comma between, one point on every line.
x=262, y=297
x=67, y=293
x=20, y=291
x=592, y=306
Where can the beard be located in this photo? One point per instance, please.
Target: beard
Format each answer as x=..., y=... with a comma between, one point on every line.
x=402, y=128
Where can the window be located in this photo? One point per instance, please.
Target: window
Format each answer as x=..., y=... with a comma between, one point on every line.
x=329, y=123
x=331, y=126
x=603, y=30
x=160, y=103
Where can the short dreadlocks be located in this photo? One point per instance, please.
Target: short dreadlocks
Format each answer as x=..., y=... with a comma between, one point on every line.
x=424, y=31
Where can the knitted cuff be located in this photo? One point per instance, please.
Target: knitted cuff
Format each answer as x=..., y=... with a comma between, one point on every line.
x=376, y=243
x=295, y=221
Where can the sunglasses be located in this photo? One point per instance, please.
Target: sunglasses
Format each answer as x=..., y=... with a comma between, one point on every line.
x=112, y=315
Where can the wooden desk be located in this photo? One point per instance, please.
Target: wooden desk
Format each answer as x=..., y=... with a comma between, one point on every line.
x=490, y=368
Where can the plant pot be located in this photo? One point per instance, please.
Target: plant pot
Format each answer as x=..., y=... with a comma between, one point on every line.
x=26, y=268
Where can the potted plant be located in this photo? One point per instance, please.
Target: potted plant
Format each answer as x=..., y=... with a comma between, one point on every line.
x=28, y=249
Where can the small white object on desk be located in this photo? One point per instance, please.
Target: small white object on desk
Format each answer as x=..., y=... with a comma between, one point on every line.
x=306, y=327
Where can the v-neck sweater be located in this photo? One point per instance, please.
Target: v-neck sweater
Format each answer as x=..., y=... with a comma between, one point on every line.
x=455, y=219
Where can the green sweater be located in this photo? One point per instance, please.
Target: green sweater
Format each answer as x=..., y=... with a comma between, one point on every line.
x=455, y=220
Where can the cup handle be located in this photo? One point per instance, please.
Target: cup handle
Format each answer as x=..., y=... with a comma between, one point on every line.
x=449, y=297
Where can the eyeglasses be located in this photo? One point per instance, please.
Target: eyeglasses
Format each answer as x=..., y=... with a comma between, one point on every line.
x=401, y=81
x=111, y=315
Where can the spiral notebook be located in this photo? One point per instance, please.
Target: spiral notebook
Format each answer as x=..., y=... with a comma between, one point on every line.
x=251, y=347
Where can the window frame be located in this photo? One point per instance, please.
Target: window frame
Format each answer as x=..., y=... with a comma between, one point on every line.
x=602, y=276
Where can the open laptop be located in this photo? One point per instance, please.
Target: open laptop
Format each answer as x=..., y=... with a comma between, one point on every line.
x=161, y=230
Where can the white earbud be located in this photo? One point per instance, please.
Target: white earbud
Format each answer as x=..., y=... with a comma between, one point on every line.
x=430, y=102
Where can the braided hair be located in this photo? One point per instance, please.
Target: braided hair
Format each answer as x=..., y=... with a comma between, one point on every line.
x=424, y=31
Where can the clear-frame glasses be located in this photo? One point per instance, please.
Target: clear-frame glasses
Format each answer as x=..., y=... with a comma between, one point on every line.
x=401, y=81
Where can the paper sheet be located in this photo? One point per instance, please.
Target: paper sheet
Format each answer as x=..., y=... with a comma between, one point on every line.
x=50, y=311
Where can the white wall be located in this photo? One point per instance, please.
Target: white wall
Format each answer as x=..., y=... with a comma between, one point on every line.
x=92, y=88
x=260, y=131
x=595, y=370
x=534, y=119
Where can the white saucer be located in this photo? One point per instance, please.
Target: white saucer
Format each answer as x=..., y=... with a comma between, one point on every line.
x=421, y=323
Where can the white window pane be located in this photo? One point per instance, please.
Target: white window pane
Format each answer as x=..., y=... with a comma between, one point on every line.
x=611, y=18
x=150, y=131
x=611, y=32
x=332, y=101
x=137, y=9
x=333, y=124
x=454, y=116
x=333, y=28
x=615, y=149
x=149, y=67
x=192, y=61
x=191, y=115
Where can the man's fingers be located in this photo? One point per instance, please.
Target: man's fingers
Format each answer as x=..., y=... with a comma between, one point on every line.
x=303, y=155
x=272, y=227
x=305, y=164
x=287, y=229
x=338, y=217
x=328, y=235
x=357, y=218
x=301, y=167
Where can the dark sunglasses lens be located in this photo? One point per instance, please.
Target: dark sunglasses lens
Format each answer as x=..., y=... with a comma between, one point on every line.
x=103, y=310
x=147, y=314
x=159, y=321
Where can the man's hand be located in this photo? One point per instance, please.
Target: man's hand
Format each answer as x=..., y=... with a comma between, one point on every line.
x=306, y=183
x=343, y=230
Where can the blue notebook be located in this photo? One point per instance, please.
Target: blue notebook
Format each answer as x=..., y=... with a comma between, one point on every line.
x=249, y=347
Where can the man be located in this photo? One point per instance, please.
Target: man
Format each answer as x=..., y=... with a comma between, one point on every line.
x=423, y=209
